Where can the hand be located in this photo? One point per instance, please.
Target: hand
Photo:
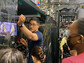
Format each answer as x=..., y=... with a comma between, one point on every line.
x=21, y=20
x=73, y=52
x=23, y=41
x=62, y=51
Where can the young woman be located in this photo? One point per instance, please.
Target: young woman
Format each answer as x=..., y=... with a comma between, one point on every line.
x=38, y=55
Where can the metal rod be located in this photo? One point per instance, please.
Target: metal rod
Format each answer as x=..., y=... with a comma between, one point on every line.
x=19, y=15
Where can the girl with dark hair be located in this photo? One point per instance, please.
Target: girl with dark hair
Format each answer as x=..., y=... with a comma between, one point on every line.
x=38, y=55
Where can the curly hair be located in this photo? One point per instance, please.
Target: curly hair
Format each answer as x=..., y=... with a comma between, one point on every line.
x=38, y=53
x=11, y=55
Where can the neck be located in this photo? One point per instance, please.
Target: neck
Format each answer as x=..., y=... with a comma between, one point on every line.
x=35, y=31
x=80, y=49
x=37, y=62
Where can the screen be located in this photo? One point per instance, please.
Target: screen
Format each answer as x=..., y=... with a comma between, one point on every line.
x=8, y=27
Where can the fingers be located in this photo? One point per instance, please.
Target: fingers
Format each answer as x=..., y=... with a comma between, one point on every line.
x=22, y=18
x=62, y=51
x=23, y=41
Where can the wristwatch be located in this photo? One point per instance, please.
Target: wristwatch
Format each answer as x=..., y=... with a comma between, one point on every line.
x=21, y=25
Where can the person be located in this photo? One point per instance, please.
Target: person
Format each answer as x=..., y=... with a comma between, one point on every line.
x=76, y=41
x=12, y=32
x=64, y=47
x=1, y=27
x=11, y=55
x=63, y=41
x=38, y=55
x=33, y=34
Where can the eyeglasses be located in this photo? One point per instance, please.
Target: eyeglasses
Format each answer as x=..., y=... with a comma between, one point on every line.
x=74, y=36
x=33, y=24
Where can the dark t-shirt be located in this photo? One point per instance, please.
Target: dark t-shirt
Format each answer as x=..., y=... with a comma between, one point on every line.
x=32, y=44
x=39, y=42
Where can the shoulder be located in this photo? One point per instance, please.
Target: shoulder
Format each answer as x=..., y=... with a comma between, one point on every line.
x=38, y=32
x=71, y=59
x=74, y=59
x=40, y=35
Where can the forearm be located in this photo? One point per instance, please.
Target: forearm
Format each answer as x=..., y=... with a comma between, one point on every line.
x=26, y=32
x=61, y=45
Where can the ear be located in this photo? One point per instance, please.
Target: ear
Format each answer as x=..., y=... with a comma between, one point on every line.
x=44, y=56
x=38, y=25
x=33, y=57
x=82, y=38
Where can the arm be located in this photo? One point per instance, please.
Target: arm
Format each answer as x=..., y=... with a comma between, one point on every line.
x=61, y=46
x=29, y=34
x=25, y=30
x=62, y=43
x=23, y=41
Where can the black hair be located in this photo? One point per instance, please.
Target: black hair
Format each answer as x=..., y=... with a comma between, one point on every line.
x=35, y=19
x=38, y=53
x=81, y=26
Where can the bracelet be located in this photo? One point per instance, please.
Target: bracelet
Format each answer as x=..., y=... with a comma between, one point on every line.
x=21, y=25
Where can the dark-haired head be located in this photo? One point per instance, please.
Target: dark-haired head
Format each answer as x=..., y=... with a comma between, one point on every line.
x=76, y=37
x=35, y=19
x=34, y=25
x=11, y=55
x=38, y=53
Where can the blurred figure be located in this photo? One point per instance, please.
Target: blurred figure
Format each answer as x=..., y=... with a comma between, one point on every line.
x=64, y=40
x=38, y=55
x=1, y=27
x=64, y=47
x=11, y=56
x=34, y=36
x=76, y=41
x=12, y=29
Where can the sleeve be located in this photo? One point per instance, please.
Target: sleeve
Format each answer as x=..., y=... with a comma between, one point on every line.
x=39, y=36
x=66, y=61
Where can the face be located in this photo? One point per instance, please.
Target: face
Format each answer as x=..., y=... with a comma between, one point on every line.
x=33, y=26
x=73, y=35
